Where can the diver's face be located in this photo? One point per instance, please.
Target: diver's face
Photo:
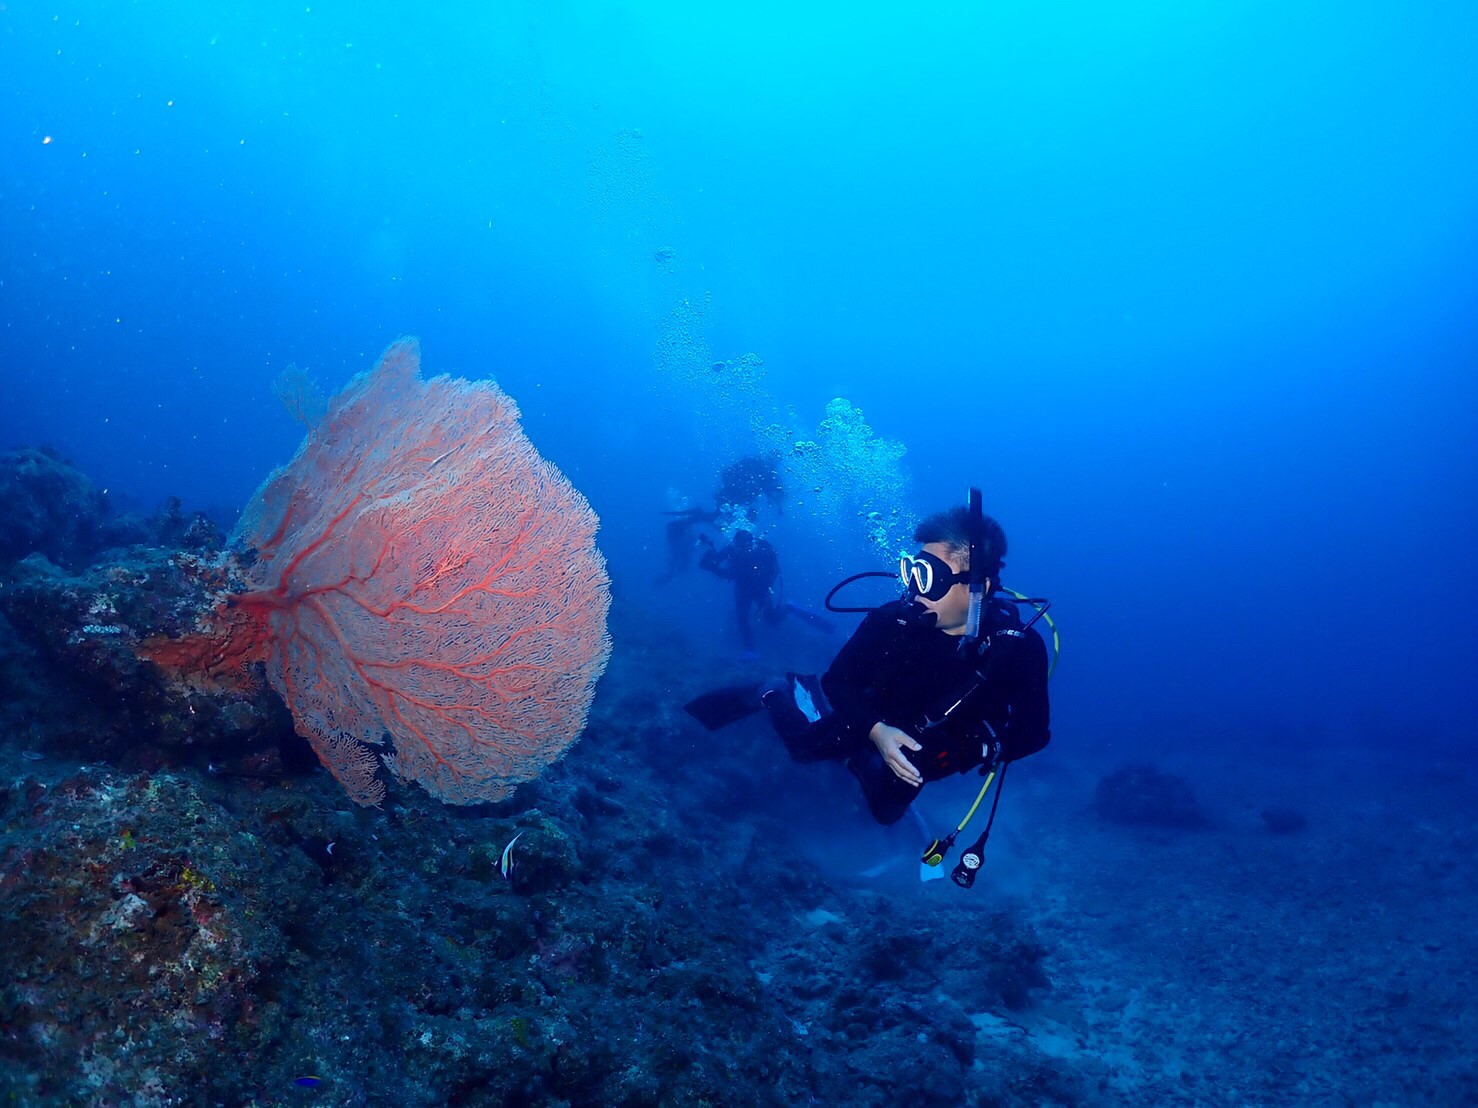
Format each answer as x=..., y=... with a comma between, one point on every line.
x=952, y=610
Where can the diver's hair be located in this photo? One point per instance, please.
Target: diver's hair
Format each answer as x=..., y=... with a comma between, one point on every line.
x=952, y=528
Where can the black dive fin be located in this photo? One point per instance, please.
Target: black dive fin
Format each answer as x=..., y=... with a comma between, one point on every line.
x=724, y=706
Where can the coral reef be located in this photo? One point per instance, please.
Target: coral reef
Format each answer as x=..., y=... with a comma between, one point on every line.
x=50, y=508
x=71, y=680
x=88, y=692
x=195, y=913
x=153, y=931
x=633, y=955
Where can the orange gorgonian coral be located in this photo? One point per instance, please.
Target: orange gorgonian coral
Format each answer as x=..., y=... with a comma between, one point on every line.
x=419, y=573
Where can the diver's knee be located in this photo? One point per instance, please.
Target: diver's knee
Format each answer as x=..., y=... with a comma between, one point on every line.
x=887, y=797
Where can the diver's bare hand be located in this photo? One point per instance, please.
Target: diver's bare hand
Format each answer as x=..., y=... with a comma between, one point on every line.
x=890, y=742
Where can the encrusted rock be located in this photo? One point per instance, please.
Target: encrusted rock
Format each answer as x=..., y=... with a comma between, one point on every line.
x=1145, y=796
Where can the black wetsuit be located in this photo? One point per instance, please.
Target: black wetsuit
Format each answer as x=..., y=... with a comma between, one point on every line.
x=755, y=570
x=898, y=668
x=680, y=539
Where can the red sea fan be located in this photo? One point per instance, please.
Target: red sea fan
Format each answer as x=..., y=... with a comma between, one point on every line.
x=418, y=571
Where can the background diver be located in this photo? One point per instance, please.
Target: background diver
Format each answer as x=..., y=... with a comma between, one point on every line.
x=928, y=686
x=681, y=540
x=742, y=484
x=754, y=567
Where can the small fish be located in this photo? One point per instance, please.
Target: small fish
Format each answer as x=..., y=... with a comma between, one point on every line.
x=308, y=1081
x=507, y=864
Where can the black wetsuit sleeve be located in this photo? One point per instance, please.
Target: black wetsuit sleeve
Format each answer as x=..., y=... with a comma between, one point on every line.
x=851, y=683
x=1028, y=727
x=718, y=562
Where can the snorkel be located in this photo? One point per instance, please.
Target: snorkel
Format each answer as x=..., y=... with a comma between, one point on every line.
x=973, y=505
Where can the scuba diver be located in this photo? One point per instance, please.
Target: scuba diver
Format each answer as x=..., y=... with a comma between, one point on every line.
x=742, y=484
x=754, y=567
x=680, y=541
x=942, y=681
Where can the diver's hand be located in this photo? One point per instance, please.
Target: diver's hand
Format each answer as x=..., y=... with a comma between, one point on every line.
x=890, y=742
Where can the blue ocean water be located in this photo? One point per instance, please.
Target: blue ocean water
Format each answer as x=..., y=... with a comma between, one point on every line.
x=1187, y=289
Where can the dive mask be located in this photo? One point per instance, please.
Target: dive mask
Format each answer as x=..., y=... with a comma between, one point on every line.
x=929, y=576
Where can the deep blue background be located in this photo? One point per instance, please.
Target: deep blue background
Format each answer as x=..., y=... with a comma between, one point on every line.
x=1189, y=287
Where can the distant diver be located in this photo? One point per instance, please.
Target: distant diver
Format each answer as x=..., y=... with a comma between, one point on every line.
x=742, y=484
x=681, y=539
x=754, y=567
